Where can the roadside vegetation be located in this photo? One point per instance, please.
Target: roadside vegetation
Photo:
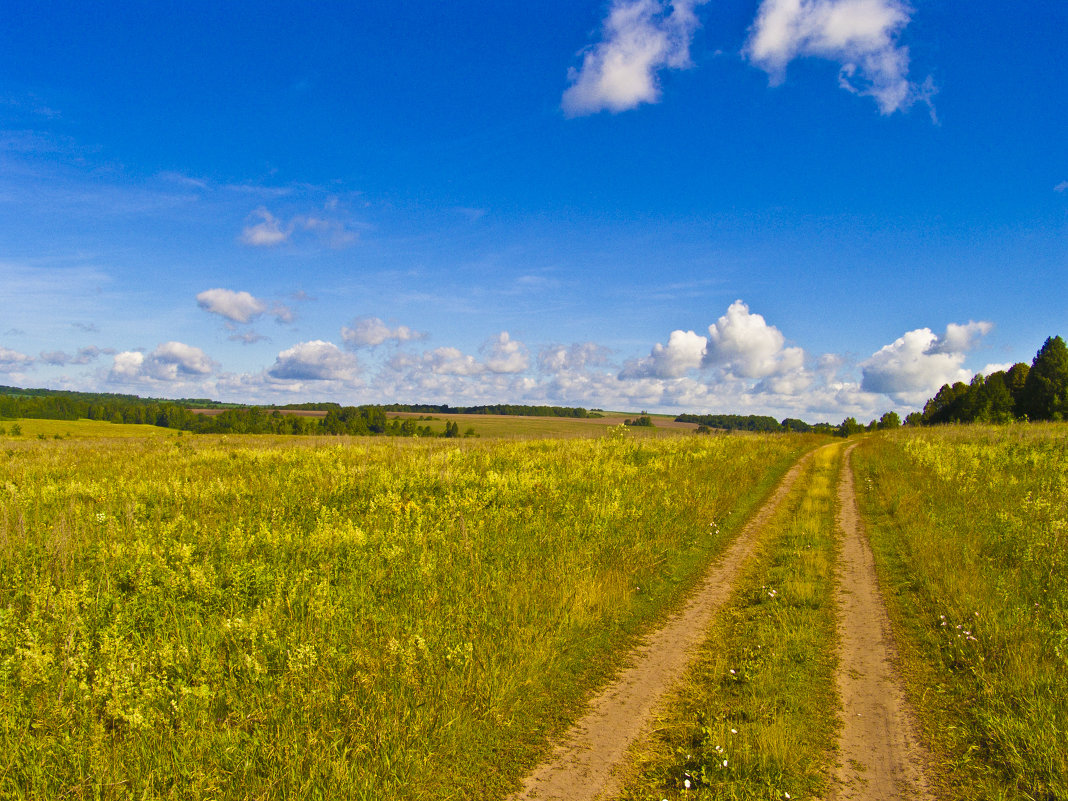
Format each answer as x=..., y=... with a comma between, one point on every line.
x=969, y=525
x=755, y=717
x=235, y=617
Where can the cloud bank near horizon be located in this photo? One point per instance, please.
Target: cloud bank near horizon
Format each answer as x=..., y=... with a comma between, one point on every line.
x=741, y=363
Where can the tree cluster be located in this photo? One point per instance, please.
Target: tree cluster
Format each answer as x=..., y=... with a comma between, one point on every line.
x=1038, y=392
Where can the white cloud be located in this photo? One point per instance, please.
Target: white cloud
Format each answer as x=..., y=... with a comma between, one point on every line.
x=440, y=361
x=83, y=356
x=329, y=230
x=962, y=337
x=314, y=361
x=1000, y=367
x=169, y=362
x=1061, y=187
x=172, y=358
x=640, y=38
x=914, y=366
x=127, y=365
x=505, y=355
x=241, y=307
x=750, y=348
x=11, y=360
x=558, y=358
x=684, y=351
x=268, y=232
x=371, y=331
x=248, y=337
x=860, y=35
x=263, y=229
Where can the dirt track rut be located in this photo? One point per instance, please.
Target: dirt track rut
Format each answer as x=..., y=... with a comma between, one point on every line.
x=879, y=756
x=581, y=767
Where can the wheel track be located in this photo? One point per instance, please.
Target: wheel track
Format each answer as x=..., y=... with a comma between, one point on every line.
x=582, y=765
x=879, y=756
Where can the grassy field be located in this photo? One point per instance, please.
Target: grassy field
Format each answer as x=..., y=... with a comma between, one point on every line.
x=521, y=427
x=248, y=617
x=755, y=717
x=970, y=530
x=44, y=429
x=491, y=426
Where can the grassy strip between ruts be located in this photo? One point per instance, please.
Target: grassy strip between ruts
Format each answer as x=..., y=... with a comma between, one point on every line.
x=755, y=717
x=969, y=529
x=246, y=617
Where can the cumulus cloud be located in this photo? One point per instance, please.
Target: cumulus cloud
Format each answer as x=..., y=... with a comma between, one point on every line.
x=83, y=356
x=684, y=351
x=860, y=35
x=640, y=38
x=171, y=361
x=746, y=345
x=314, y=361
x=371, y=331
x=241, y=307
x=11, y=360
x=914, y=366
x=268, y=232
x=505, y=355
x=127, y=365
x=440, y=361
x=263, y=229
x=577, y=356
x=962, y=337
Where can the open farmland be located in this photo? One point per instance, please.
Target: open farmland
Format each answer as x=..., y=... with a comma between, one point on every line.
x=269, y=617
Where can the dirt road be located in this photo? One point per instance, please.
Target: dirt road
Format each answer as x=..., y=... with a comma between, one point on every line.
x=879, y=757
x=581, y=766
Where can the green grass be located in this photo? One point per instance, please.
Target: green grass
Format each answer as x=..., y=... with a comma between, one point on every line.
x=520, y=427
x=247, y=617
x=969, y=526
x=33, y=429
x=755, y=717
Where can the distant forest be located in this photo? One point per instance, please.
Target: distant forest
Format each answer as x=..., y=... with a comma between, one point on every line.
x=365, y=420
x=498, y=408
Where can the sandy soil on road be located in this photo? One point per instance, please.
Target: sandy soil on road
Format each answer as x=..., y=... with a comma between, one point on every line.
x=879, y=756
x=581, y=767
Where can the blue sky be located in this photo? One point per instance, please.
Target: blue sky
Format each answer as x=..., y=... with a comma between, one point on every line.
x=809, y=208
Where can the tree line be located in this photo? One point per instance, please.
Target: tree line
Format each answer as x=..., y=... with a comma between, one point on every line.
x=16, y=402
x=1023, y=392
x=497, y=408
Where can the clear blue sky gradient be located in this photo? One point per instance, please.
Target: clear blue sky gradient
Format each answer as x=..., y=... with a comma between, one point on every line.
x=413, y=164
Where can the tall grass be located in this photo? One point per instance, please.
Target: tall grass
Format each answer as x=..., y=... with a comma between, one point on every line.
x=755, y=717
x=251, y=618
x=969, y=526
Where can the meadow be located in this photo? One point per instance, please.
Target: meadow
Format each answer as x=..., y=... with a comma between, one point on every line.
x=252, y=617
x=969, y=525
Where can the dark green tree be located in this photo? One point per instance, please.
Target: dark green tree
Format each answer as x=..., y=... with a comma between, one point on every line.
x=1015, y=379
x=889, y=420
x=849, y=427
x=1045, y=392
